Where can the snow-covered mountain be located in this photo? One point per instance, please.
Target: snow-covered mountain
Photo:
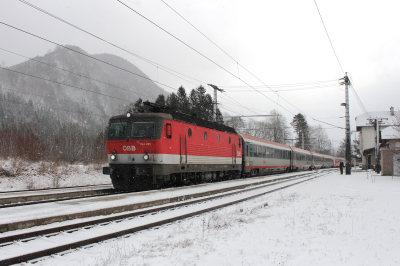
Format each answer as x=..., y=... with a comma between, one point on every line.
x=43, y=79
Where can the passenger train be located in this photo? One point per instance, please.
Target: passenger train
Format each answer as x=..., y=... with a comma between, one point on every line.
x=166, y=147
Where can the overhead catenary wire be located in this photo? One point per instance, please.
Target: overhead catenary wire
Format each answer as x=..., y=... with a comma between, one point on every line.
x=65, y=84
x=53, y=98
x=140, y=57
x=201, y=54
x=75, y=73
x=104, y=62
x=282, y=85
x=78, y=53
x=135, y=55
x=224, y=68
x=164, y=68
x=297, y=89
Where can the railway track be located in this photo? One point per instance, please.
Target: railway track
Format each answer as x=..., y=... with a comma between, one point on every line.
x=40, y=243
x=29, y=197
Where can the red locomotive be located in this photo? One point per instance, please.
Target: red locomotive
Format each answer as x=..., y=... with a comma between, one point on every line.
x=168, y=147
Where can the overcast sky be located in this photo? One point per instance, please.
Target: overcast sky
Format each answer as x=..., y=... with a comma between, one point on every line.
x=279, y=42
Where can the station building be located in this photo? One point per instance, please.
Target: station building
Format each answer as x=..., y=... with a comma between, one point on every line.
x=389, y=140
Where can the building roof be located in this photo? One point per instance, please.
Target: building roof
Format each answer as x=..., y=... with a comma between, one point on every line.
x=390, y=133
x=363, y=120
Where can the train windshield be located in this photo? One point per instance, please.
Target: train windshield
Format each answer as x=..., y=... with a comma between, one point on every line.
x=143, y=130
x=117, y=130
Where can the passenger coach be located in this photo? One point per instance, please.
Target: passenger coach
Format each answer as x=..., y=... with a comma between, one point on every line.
x=263, y=156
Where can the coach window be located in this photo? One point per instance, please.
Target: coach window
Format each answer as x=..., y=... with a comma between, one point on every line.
x=251, y=150
x=264, y=152
x=205, y=135
x=247, y=150
x=229, y=140
x=190, y=132
x=218, y=137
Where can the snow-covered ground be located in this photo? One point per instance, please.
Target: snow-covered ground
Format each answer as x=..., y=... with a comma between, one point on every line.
x=17, y=174
x=334, y=220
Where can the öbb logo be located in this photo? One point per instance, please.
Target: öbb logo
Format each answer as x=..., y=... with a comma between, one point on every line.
x=129, y=148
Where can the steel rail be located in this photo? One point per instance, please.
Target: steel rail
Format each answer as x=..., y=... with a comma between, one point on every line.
x=55, y=188
x=60, y=197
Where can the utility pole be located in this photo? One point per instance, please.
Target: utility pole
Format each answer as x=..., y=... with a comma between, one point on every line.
x=215, y=100
x=346, y=82
x=377, y=122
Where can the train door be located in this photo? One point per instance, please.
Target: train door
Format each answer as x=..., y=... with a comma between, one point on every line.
x=183, y=149
x=233, y=152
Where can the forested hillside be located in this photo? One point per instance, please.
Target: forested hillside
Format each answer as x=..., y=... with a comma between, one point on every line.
x=56, y=107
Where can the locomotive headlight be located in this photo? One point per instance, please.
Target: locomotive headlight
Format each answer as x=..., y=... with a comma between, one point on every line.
x=146, y=157
x=113, y=157
x=128, y=114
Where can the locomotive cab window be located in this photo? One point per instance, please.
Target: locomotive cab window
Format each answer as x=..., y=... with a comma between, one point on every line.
x=142, y=130
x=117, y=130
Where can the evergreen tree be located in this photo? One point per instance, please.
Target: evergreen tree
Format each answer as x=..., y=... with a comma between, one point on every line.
x=172, y=101
x=183, y=100
x=302, y=130
x=160, y=100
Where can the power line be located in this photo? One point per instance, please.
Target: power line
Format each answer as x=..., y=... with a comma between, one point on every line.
x=75, y=73
x=112, y=44
x=224, y=68
x=43, y=96
x=60, y=83
x=129, y=52
x=187, y=45
x=104, y=62
x=298, y=89
x=328, y=36
x=93, y=35
x=283, y=85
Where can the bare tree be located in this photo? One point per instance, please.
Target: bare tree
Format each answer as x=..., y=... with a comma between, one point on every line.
x=396, y=122
x=320, y=141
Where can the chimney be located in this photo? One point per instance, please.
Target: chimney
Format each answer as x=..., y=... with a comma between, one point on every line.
x=392, y=111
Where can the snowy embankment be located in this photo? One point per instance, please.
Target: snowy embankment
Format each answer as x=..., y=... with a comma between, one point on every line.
x=334, y=220
x=17, y=174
